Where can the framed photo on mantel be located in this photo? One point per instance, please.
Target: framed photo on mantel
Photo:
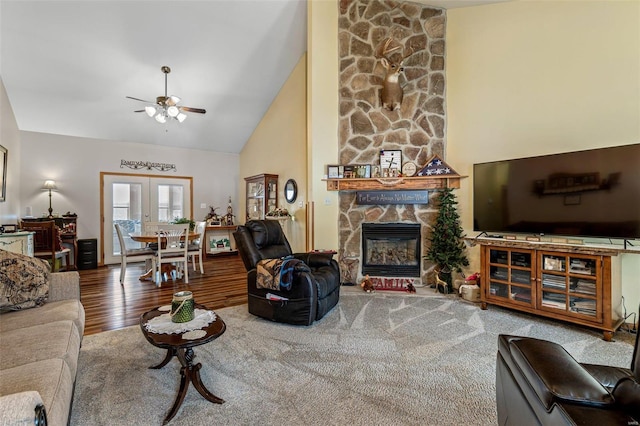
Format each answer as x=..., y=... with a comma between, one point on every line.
x=333, y=172
x=390, y=162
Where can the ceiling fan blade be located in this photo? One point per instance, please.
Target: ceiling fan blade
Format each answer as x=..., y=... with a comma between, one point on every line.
x=137, y=99
x=189, y=109
x=139, y=110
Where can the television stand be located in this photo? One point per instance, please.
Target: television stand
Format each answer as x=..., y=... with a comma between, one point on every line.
x=576, y=284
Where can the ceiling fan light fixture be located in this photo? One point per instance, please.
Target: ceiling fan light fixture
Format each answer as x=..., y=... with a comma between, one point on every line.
x=151, y=111
x=173, y=111
x=166, y=107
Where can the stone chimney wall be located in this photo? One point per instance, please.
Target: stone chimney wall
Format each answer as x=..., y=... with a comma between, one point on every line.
x=418, y=128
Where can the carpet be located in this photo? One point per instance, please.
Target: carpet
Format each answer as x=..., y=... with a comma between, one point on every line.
x=385, y=358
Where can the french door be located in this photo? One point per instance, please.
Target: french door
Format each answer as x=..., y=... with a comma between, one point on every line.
x=130, y=200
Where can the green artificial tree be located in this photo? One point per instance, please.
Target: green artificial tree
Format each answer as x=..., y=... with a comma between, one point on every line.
x=447, y=249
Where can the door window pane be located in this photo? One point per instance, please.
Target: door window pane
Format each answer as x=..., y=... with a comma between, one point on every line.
x=170, y=202
x=127, y=212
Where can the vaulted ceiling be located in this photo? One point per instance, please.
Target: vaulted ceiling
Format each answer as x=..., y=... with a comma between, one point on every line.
x=68, y=66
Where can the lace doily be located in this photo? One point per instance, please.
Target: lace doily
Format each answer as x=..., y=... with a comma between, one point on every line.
x=194, y=334
x=162, y=324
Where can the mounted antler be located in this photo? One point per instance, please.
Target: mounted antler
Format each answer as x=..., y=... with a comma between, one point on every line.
x=392, y=92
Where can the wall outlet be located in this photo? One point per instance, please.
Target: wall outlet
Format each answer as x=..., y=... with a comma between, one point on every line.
x=203, y=205
x=327, y=201
x=300, y=204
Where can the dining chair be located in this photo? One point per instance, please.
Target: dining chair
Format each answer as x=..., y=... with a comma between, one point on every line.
x=47, y=244
x=130, y=254
x=150, y=228
x=195, y=246
x=172, y=248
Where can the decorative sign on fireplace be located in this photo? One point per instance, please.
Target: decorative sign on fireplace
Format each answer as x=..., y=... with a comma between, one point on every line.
x=392, y=197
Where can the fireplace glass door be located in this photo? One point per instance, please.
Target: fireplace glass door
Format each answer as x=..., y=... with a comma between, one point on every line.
x=391, y=249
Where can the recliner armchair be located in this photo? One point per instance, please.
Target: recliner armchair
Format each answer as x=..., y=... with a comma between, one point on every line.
x=539, y=383
x=312, y=294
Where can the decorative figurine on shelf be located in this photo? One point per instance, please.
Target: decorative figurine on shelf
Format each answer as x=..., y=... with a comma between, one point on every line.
x=279, y=213
x=227, y=219
x=213, y=218
x=367, y=285
x=411, y=288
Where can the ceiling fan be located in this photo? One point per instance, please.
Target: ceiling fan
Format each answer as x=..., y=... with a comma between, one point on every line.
x=166, y=107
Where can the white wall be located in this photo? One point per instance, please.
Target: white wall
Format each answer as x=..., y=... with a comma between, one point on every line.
x=538, y=77
x=10, y=139
x=75, y=164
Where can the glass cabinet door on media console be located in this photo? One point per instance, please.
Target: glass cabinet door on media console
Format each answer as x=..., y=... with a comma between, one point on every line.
x=510, y=275
x=262, y=195
x=569, y=284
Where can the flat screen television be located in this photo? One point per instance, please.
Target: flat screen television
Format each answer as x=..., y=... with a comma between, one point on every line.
x=591, y=193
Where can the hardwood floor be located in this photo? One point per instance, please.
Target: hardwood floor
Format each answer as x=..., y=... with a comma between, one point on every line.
x=109, y=306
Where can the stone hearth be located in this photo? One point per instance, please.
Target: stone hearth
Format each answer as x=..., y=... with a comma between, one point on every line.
x=418, y=128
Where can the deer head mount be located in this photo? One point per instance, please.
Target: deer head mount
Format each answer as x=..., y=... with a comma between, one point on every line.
x=392, y=92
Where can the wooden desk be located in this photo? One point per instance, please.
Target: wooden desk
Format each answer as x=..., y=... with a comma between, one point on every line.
x=67, y=232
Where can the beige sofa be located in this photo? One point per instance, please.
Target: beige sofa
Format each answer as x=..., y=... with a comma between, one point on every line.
x=39, y=350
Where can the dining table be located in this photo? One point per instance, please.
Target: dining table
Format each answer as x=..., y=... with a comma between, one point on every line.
x=153, y=238
x=150, y=239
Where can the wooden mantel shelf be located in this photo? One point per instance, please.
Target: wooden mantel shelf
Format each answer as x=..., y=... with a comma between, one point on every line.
x=393, y=184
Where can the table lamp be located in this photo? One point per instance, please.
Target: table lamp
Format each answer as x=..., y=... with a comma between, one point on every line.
x=49, y=185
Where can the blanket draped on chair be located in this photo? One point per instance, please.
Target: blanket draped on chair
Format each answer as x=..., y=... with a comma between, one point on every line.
x=277, y=274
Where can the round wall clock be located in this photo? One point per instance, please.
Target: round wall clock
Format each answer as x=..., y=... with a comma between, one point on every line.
x=409, y=169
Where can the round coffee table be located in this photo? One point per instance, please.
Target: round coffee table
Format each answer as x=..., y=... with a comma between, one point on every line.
x=183, y=349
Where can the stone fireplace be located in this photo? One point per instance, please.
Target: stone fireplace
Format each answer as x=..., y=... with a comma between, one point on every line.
x=391, y=249
x=418, y=128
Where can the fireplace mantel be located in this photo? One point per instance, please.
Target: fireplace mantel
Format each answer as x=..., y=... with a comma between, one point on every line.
x=399, y=183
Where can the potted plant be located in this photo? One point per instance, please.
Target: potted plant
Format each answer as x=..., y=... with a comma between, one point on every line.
x=447, y=250
x=192, y=224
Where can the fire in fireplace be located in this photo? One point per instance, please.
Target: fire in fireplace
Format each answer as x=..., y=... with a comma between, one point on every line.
x=391, y=249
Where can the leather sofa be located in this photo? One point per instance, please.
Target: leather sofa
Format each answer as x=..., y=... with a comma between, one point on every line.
x=315, y=287
x=539, y=383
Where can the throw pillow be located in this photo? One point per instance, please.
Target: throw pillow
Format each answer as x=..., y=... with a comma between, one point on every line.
x=24, y=281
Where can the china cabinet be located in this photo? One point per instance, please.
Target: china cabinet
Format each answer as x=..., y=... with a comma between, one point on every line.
x=262, y=195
